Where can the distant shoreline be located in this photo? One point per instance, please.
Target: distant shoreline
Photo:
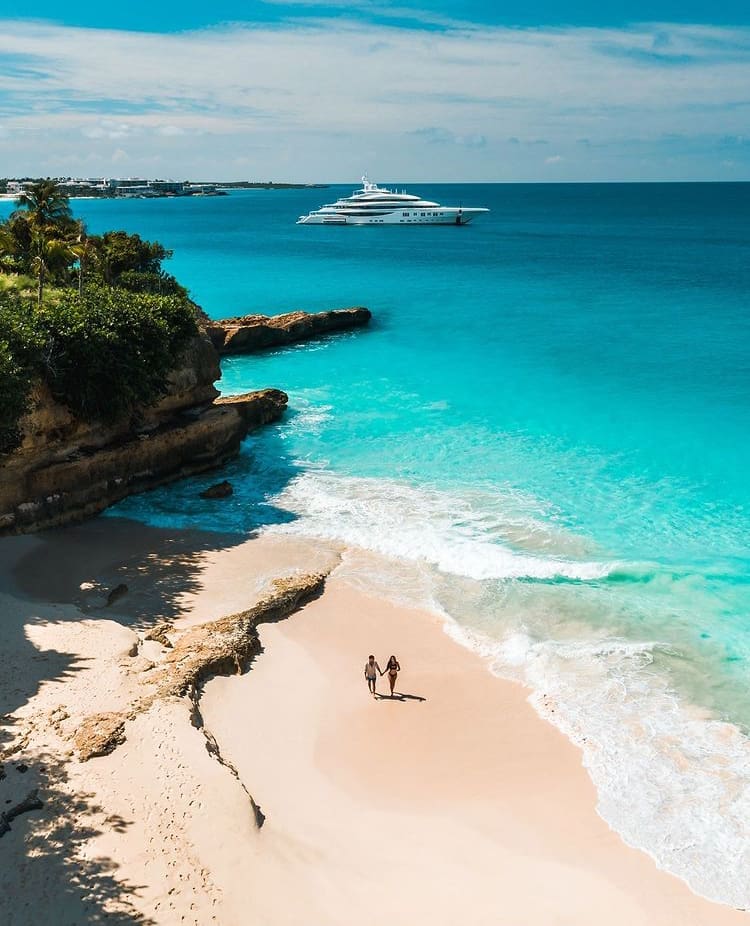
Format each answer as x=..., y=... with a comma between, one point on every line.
x=80, y=190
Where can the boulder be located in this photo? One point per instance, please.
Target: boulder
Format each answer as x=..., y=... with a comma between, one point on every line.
x=220, y=490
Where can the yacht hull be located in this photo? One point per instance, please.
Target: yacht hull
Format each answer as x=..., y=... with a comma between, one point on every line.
x=443, y=216
x=373, y=205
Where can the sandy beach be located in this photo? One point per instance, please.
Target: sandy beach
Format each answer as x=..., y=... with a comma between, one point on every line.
x=452, y=802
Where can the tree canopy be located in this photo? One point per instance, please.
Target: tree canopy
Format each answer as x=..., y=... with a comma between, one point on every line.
x=42, y=238
x=111, y=328
x=46, y=204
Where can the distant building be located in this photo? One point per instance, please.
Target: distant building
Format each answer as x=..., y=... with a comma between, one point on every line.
x=120, y=183
x=202, y=188
x=167, y=186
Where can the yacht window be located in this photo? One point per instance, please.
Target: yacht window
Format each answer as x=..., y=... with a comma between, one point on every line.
x=406, y=213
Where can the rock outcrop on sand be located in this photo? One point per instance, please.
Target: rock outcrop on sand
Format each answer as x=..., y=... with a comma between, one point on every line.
x=99, y=734
x=225, y=646
x=249, y=333
x=66, y=469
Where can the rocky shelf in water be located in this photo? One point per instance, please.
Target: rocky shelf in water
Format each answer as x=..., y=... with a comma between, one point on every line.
x=248, y=333
x=67, y=469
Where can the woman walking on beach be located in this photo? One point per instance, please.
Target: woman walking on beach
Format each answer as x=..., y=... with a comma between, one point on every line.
x=393, y=667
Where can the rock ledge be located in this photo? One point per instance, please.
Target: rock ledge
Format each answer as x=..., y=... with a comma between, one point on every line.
x=248, y=333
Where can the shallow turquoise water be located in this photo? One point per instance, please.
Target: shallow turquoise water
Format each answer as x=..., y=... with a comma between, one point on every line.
x=544, y=434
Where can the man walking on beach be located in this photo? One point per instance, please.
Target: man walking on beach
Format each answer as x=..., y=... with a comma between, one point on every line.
x=371, y=673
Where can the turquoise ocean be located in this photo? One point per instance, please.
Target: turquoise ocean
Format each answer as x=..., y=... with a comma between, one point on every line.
x=544, y=436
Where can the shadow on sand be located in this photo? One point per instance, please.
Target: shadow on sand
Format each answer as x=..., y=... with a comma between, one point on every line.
x=162, y=567
x=56, y=862
x=399, y=696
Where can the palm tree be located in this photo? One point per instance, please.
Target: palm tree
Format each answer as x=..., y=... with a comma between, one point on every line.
x=47, y=204
x=49, y=254
x=48, y=220
x=15, y=242
x=84, y=250
x=8, y=248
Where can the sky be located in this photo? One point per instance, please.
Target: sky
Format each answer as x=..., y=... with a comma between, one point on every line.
x=320, y=92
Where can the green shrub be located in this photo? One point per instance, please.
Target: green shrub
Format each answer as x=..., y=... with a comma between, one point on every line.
x=119, y=252
x=103, y=353
x=143, y=281
x=109, y=351
x=19, y=330
x=14, y=390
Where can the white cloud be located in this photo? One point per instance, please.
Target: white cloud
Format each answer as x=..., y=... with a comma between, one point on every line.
x=327, y=98
x=554, y=159
x=108, y=129
x=170, y=131
x=441, y=136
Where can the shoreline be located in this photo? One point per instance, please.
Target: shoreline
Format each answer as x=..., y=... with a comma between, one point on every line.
x=468, y=789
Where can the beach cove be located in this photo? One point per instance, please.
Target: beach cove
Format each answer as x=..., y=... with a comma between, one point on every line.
x=535, y=447
x=465, y=800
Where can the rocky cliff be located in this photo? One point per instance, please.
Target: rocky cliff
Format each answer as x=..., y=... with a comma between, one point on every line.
x=66, y=469
x=250, y=333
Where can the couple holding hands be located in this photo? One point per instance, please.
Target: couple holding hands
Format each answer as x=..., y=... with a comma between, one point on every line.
x=372, y=669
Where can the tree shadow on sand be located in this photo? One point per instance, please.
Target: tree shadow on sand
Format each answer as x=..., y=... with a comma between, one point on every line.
x=123, y=545
x=47, y=852
x=47, y=863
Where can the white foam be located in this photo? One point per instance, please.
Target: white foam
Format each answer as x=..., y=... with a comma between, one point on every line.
x=310, y=418
x=670, y=780
x=447, y=531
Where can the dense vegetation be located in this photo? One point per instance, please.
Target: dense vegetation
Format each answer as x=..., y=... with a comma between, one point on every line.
x=105, y=324
x=43, y=239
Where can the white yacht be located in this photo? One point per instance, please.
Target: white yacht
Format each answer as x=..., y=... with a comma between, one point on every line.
x=373, y=205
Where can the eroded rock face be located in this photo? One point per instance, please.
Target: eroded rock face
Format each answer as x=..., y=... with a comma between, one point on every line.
x=67, y=469
x=250, y=333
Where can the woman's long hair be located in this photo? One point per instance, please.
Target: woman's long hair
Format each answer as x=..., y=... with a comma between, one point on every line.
x=392, y=663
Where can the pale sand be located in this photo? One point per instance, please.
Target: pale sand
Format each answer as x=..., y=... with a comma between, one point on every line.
x=462, y=808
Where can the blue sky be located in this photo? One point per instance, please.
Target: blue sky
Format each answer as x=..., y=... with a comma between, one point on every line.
x=310, y=91
x=172, y=16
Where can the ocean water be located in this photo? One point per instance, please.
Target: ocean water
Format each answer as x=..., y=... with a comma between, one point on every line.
x=544, y=436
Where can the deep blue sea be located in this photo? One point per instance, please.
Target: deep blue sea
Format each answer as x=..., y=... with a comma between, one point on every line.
x=544, y=435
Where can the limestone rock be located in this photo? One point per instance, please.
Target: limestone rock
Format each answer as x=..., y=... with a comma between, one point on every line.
x=66, y=469
x=99, y=734
x=249, y=333
x=228, y=645
x=159, y=634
